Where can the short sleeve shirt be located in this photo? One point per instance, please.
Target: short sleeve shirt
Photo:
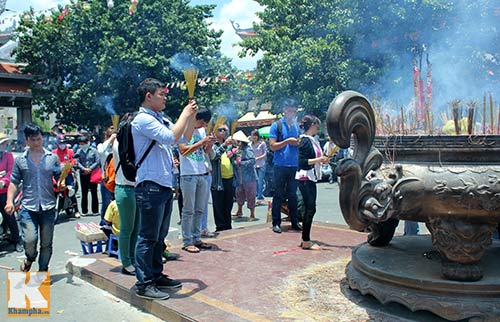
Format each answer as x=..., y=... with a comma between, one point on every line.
x=288, y=156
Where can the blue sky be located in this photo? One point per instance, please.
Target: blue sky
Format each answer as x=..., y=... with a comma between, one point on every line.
x=241, y=11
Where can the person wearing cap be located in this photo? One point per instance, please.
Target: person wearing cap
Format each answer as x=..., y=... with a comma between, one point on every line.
x=6, y=164
x=284, y=141
x=245, y=176
x=65, y=154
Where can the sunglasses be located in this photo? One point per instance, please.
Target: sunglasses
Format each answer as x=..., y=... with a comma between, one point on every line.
x=222, y=130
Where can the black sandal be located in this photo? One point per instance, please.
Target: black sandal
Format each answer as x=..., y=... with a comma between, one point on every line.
x=202, y=245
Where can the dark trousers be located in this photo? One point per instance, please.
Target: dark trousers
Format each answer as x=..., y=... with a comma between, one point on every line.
x=70, y=181
x=9, y=221
x=155, y=208
x=86, y=186
x=285, y=188
x=309, y=192
x=222, y=202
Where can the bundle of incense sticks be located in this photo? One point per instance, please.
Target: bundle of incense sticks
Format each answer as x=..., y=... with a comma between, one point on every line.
x=219, y=121
x=428, y=119
x=470, y=117
x=190, y=75
x=234, y=125
x=209, y=127
x=455, y=104
x=65, y=170
x=114, y=119
x=333, y=151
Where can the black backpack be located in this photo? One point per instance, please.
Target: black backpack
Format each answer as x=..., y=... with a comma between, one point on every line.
x=126, y=149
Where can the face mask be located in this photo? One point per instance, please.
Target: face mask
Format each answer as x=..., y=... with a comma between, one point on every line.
x=84, y=147
x=62, y=146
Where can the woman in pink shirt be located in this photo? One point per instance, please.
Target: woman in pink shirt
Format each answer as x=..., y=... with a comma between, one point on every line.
x=9, y=221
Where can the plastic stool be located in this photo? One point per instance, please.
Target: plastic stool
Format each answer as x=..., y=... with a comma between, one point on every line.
x=113, y=237
x=88, y=247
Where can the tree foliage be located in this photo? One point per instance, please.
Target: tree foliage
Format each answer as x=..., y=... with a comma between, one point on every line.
x=314, y=49
x=88, y=60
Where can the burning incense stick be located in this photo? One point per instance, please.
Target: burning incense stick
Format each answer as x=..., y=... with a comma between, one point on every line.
x=65, y=171
x=190, y=75
x=491, y=115
x=115, y=119
x=234, y=125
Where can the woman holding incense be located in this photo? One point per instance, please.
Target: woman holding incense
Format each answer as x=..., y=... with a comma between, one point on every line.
x=308, y=173
x=222, y=178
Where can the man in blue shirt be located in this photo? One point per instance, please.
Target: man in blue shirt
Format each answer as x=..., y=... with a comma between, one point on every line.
x=284, y=141
x=154, y=184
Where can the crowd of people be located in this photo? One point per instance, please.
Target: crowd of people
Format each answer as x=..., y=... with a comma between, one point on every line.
x=177, y=161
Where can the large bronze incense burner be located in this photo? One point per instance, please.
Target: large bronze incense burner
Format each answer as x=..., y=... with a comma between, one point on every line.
x=450, y=184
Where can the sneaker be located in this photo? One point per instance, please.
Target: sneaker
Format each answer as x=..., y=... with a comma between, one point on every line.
x=77, y=215
x=164, y=282
x=151, y=292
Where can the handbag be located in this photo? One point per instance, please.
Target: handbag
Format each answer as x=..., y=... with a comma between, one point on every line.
x=96, y=175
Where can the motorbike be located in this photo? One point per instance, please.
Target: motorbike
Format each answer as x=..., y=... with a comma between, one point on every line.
x=65, y=207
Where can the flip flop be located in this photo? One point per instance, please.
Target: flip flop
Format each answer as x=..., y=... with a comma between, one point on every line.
x=191, y=249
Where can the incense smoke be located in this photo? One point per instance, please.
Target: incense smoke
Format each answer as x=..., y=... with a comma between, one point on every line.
x=227, y=110
x=463, y=51
x=107, y=103
x=181, y=61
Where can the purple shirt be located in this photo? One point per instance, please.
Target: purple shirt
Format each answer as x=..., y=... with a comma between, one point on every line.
x=260, y=149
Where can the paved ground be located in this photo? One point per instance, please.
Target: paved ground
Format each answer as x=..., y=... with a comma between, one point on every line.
x=75, y=300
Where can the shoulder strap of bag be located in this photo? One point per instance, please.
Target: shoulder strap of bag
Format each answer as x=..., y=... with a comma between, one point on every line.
x=146, y=154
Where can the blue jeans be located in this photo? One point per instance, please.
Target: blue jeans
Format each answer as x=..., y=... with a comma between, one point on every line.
x=155, y=208
x=194, y=192
x=285, y=188
x=34, y=223
x=261, y=173
x=106, y=198
x=204, y=218
x=411, y=228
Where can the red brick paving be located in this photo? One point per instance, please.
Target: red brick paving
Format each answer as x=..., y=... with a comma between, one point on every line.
x=235, y=281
